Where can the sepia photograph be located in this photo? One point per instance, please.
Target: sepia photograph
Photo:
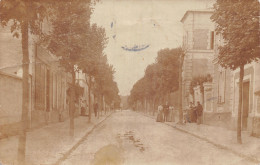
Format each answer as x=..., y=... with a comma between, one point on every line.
x=129, y=82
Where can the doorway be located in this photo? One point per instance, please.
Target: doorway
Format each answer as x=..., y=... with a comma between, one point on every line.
x=245, y=105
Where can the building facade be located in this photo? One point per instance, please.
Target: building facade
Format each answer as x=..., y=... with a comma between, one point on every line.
x=250, y=98
x=10, y=82
x=48, y=83
x=219, y=92
x=198, y=43
x=220, y=97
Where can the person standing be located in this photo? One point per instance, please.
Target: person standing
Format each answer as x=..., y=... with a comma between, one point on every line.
x=171, y=114
x=193, y=112
x=199, y=110
x=166, y=111
x=82, y=107
x=185, y=112
x=190, y=112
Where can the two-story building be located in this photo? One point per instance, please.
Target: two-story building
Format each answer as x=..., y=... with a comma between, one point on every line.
x=220, y=98
x=198, y=43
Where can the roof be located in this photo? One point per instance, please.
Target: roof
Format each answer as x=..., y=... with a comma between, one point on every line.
x=196, y=11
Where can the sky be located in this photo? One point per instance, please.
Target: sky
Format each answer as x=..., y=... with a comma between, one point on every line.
x=150, y=25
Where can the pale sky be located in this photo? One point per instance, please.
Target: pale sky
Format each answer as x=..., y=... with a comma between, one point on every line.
x=140, y=22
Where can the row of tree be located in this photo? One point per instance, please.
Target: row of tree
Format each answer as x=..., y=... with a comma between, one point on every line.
x=80, y=46
x=237, y=21
x=160, y=80
x=77, y=44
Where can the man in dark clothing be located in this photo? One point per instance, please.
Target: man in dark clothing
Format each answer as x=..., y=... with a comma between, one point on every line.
x=95, y=109
x=199, y=110
x=166, y=111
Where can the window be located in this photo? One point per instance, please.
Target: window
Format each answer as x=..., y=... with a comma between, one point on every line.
x=200, y=39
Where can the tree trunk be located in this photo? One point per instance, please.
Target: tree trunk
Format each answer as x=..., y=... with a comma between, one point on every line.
x=154, y=105
x=25, y=99
x=89, y=99
x=241, y=77
x=180, y=90
x=145, y=105
x=101, y=104
x=104, y=102
x=72, y=103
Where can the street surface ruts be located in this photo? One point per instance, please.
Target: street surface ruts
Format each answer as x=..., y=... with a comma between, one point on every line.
x=130, y=138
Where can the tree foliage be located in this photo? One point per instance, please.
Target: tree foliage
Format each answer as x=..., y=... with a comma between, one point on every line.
x=17, y=12
x=161, y=77
x=238, y=22
x=24, y=18
x=80, y=46
x=68, y=38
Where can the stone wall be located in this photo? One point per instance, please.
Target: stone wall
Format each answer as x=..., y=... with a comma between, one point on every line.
x=10, y=98
x=10, y=104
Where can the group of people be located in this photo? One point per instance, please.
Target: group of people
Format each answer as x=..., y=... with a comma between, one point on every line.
x=84, y=108
x=193, y=113
x=165, y=113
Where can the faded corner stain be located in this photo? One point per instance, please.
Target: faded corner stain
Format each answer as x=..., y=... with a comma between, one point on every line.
x=110, y=154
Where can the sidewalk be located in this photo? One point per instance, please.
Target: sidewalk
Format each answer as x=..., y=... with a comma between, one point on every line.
x=222, y=138
x=48, y=144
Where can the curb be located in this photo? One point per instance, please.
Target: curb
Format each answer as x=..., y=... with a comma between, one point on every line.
x=249, y=158
x=82, y=139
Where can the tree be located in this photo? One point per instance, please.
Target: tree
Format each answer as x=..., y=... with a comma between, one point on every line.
x=93, y=57
x=102, y=79
x=152, y=89
x=24, y=17
x=238, y=22
x=171, y=69
x=167, y=61
x=68, y=40
x=160, y=79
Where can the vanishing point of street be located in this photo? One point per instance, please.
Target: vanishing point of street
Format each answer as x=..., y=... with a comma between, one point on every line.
x=128, y=137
